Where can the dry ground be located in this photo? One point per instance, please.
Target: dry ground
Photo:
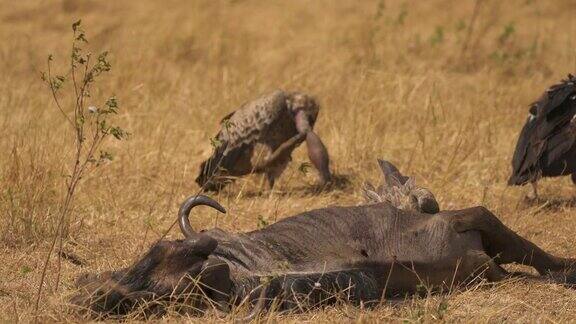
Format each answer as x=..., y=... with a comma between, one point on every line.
x=410, y=81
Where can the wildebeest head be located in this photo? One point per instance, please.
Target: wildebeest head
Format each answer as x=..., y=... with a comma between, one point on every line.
x=179, y=272
x=400, y=191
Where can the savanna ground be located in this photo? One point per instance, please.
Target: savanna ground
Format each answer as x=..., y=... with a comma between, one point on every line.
x=441, y=88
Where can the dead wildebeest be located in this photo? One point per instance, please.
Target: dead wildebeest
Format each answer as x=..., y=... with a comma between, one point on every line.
x=547, y=144
x=260, y=136
x=369, y=252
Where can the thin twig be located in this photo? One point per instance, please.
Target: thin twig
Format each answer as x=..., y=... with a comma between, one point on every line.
x=470, y=28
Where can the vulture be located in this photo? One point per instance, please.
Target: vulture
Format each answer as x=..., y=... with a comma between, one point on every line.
x=260, y=136
x=546, y=146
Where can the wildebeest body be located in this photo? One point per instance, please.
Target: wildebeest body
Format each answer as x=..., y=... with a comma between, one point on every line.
x=367, y=252
x=375, y=233
x=328, y=243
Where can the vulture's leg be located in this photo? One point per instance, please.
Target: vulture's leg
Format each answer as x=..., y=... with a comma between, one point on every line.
x=274, y=171
x=534, y=193
x=504, y=245
x=271, y=179
x=265, y=179
x=318, y=155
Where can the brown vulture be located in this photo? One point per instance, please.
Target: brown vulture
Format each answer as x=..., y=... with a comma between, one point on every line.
x=260, y=136
x=547, y=144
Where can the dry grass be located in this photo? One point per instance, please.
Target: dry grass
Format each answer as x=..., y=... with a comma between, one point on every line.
x=393, y=80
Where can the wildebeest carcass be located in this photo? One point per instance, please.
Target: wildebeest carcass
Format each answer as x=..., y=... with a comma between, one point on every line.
x=547, y=144
x=260, y=136
x=369, y=252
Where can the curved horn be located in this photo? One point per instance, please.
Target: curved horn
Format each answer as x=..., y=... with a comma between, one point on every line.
x=186, y=207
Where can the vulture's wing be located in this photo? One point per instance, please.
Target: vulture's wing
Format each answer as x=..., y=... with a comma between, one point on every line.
x=543, y=140
x=243, y=128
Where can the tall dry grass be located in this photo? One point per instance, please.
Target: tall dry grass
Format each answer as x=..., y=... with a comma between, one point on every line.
x=411, y=81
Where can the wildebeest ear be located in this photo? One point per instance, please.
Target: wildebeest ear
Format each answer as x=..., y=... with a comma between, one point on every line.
x=205, y=245
x=391, y=175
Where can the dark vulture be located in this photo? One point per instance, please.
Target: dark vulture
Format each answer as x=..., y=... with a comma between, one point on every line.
x=546, y=146
x=260, y=136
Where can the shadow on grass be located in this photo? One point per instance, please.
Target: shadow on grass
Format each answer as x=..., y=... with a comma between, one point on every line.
x=547, y=203
x=339, y=182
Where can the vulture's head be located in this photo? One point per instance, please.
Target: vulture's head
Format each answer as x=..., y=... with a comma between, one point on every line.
x=210, y=177
x=400, y=191
x=304, y=108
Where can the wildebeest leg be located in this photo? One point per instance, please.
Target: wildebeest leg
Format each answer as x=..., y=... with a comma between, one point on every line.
x=573, y=176
x=215, y=282
x=504, y=245
x=370, y=282
x=301, y=291
x=478, y=263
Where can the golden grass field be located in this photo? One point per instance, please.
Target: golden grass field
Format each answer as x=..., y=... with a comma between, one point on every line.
x=414, y=82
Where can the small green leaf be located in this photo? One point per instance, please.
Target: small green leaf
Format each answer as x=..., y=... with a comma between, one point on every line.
x=438, y=36
x=76, y=24
x=304, y=167
x=227, y=123
x=507, y=33
x=112, y=106
x=81, y=37
x=106, y=156
x=215, y=142
x=25, y=269
x=262, y=222
x=118, y=132
x=402, y=16
x=56, y=82
x=461, y=25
